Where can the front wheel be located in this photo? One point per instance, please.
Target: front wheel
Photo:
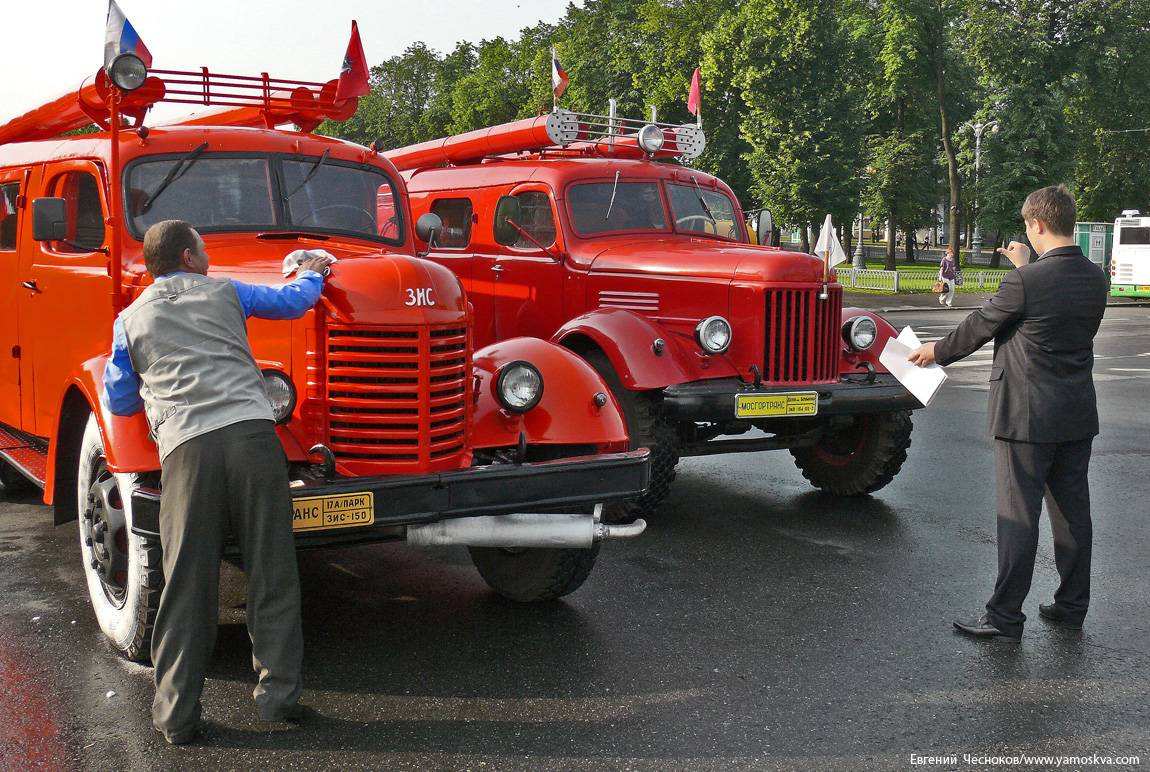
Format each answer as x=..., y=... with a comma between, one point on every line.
x=531, y=575
x=123, y=569
x=858, y=457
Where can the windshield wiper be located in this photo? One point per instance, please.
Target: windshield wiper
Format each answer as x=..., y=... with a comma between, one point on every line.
x=702, y=203
x=307, y=177
x=611, y=203
x=179, y=168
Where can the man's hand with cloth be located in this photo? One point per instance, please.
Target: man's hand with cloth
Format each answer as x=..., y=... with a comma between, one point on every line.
x=180, y=352
x=1043, y=411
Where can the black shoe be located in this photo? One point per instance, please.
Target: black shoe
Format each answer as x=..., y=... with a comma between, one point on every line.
x=183, y=736
x=296, y=714
x=1058, y=616
x=984, y=628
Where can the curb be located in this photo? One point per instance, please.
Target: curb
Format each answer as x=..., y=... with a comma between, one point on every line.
x=902, y=309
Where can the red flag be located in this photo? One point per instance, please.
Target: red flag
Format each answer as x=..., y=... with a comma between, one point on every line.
x=353, y=80
x=694, y=101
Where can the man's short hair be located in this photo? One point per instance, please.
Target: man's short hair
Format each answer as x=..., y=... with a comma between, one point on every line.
x=1054, y=205
x=164, y=244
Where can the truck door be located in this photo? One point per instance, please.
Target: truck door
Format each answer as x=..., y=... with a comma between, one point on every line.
x=10, y=184
x=528, y=268
x=66, y=300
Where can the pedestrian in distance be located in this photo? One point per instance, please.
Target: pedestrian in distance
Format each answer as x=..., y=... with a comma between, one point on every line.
x=1043, y=411
x=180, y=352
x=947, y=278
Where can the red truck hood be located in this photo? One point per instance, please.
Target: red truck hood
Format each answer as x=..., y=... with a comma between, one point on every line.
x=706, y=258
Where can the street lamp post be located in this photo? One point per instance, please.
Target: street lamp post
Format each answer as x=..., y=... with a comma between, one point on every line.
x=859, y=259
x=976, y=237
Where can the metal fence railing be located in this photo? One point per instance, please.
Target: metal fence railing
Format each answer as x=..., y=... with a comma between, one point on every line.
x=911, y=280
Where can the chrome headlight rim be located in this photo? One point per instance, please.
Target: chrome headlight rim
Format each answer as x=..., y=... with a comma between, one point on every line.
x=851, y=330
x=505, y=372
x=283, y=415
x=127, y=65
x=701, y=340
x=650, y=139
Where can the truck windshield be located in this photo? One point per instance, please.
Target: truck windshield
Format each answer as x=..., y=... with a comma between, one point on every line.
x=223, y=193
x=698, y=210
x=637, y=206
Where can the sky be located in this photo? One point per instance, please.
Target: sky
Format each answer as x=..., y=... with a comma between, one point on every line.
x=51, y=46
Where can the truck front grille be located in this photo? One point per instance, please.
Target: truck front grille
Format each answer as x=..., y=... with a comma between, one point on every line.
x=802, y=341
x=397, y=396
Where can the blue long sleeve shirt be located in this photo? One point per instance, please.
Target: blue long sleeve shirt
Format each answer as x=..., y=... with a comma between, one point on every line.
x=289, y=301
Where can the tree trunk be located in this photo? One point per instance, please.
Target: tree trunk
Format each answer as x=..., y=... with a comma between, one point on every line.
x=951, y=157
x=805, y=242
x=848, y=234
x=909, y=245
x=890, y=260
x=995, y=256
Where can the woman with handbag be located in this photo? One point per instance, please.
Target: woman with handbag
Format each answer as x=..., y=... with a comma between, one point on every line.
x=947, y=279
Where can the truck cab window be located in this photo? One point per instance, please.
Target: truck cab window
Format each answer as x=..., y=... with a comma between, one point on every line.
x=85, y=214
x=698, y=210
x=456, y=216
x=536, y=219
x=8, y=216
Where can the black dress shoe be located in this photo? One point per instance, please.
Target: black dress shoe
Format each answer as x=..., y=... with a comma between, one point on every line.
x=296, y=714
x=1058, y=616
x=182, y=736
x=984, y=628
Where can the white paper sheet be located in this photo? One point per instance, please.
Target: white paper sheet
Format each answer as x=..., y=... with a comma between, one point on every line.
x=922, y=382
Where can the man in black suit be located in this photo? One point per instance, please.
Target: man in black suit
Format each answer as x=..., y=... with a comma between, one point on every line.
x=1043, y=410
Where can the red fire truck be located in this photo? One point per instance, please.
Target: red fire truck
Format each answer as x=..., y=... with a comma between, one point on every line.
x=394, y=426
x=582, y=229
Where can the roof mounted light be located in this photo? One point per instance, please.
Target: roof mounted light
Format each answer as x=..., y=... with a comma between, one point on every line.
x=128, y=72
x=651, y=139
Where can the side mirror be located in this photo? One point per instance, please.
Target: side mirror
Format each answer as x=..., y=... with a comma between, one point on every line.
x=507, y=209
x=428, y=227
x=49, y=219
x=764, y=226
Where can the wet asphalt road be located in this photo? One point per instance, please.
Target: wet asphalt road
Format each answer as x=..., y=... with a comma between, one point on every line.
x=756, y=624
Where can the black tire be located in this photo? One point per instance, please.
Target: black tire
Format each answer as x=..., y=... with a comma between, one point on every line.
x=124, y=575
x=13, y=482
x=532, y=575
x=649, y=428
x=859, y=458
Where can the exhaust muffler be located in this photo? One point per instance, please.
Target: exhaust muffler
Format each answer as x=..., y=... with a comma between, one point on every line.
x=525, y=530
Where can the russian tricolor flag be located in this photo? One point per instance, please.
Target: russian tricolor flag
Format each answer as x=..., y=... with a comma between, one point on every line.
x=121, y=37
x=559, y=79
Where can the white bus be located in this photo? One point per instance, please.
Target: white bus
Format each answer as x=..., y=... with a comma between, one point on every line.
x=1130, y=260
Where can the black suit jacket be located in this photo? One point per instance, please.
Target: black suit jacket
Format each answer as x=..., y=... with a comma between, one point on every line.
x=1043, y=320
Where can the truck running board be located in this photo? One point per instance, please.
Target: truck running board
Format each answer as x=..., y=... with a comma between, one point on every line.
x=28, y=455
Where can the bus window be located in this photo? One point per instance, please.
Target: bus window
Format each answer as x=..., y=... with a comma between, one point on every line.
x=8, y=216
x=456, y=216
x=85, y=215
x=1135, y=236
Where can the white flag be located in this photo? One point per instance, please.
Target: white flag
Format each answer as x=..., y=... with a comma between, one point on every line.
x=828, y=244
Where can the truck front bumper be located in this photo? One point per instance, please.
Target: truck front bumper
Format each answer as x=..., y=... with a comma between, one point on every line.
x=714, y=400
x=397, y=502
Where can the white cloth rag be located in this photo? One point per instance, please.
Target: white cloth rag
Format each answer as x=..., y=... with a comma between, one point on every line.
x=292, y=261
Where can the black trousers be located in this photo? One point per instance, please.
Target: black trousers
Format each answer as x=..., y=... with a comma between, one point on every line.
x=234, y=477
x=1028, y=473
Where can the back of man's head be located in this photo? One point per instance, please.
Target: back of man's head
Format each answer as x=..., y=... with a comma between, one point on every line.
x=1054, y=206
x=164, y=245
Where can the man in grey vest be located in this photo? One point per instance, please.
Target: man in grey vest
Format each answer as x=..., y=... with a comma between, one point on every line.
x=1043, y=411
x=180, y=352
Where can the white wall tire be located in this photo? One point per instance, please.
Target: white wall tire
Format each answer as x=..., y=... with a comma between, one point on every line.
x=122, y=570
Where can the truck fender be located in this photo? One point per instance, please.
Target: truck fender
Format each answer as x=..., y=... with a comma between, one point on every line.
x=628, y=340
x=128, y=442
x=568, y=413
x=852, y=360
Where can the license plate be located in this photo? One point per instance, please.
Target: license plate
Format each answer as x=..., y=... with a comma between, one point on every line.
x=785, y=404
x=1142, y=288
x=322, y=513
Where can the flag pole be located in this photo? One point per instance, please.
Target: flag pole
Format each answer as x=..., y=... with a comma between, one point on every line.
x=554, y=96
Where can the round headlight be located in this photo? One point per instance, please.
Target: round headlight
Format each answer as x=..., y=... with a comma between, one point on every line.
x=128, y=72
x=860, y=333
x=651, y=139
x=714, y=334
x=519, y=386
x=281, y=394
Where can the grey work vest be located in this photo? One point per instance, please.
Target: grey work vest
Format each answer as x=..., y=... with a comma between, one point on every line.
x=188, y=340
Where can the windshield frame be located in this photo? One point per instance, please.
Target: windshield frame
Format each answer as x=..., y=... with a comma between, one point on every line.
x=668, y=226
x=279, y=209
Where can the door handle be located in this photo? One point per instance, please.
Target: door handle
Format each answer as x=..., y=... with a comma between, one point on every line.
x=497, y=268
x=31, y=284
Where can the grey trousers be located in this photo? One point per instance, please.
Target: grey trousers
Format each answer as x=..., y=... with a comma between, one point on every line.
x=1028, y=473
x=232, y=477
